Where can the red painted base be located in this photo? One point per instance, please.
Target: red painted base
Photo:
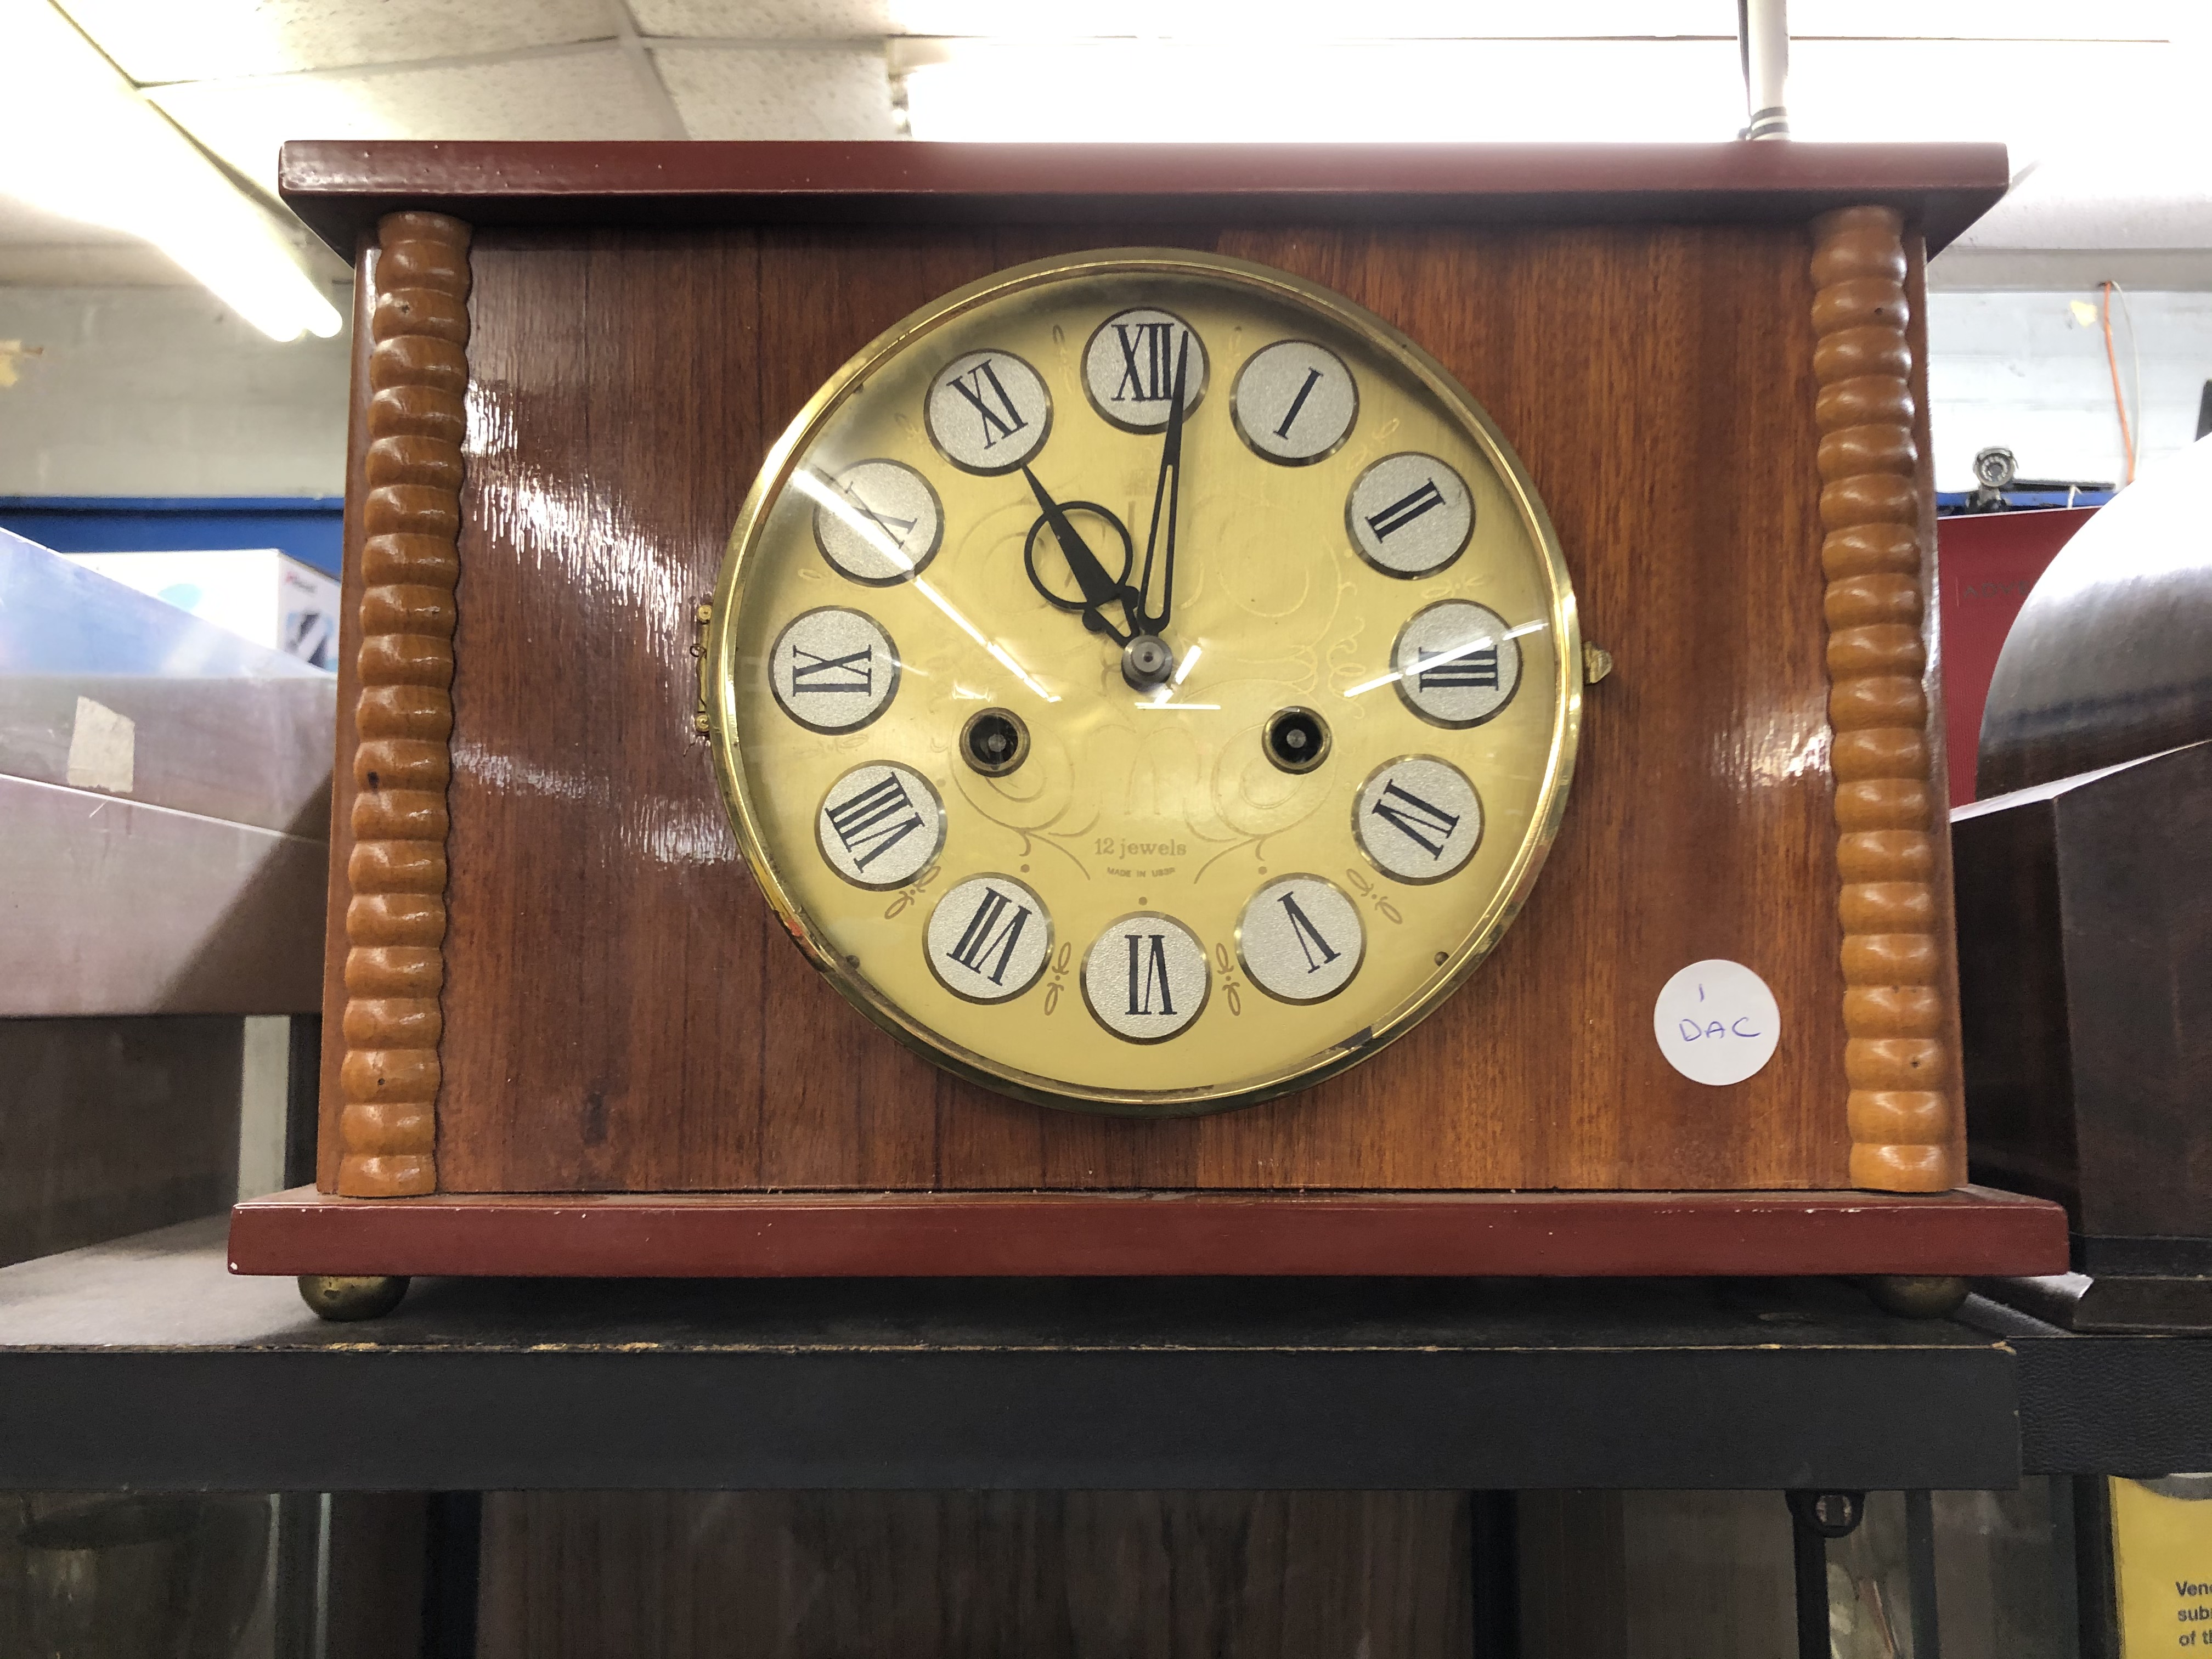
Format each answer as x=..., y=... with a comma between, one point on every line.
x=1974, y=1231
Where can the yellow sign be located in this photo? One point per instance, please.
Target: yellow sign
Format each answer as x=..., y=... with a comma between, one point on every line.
x=2162, y=1563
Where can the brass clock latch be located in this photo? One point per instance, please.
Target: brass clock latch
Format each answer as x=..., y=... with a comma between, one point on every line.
x=702, y=616
x=1597, y=663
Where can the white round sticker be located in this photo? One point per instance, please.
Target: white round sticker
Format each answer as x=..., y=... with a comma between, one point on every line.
x=1717, y=1022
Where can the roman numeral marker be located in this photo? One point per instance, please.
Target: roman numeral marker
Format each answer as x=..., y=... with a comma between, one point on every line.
x=872, y=819
x=897, y=529
x=1459, y=667
x=1153, y=965
x=1001, y=421
x=1308, y=936
x=1313, y=379
x=1407, y=509
x=1417, y=820
x=812, y=672
x=986, y=933
x=1153, y=377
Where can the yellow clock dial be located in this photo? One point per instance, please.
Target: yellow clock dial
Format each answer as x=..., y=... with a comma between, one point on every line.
x=1144, y=682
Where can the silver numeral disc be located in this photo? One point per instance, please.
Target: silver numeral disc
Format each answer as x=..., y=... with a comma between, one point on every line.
x=880, y=825
x=988, y=939
x=1301, y=939
x=1129, y=368
x=877, y=521
x=987, y=411
x=1146, y=977
x=1294, y=401
x=1409, y=515
x=833, y=670
x=1418, y=819
x=1457, y=662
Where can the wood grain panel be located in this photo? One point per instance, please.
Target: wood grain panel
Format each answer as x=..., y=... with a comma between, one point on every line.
x=1043, y=1575
x=622, y=1015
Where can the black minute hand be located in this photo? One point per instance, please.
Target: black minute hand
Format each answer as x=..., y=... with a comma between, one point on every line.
x=1165, y=493
x=1099, y=589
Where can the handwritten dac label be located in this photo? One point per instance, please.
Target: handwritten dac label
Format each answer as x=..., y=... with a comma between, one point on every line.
x=1717, y=1022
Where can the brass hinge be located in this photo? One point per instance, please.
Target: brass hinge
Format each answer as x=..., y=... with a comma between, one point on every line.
x=1597, y=663
x=702, y=616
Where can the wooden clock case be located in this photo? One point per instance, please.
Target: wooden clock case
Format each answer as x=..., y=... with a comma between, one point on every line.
x=562, y=1034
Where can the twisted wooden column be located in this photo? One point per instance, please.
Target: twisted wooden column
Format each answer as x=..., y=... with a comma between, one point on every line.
x=410, y=519
x=1894, y=1014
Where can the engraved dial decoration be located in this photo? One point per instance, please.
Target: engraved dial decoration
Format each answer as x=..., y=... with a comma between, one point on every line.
x=1144, y=682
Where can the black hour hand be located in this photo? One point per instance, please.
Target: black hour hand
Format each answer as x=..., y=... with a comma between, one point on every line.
x=1099, y=589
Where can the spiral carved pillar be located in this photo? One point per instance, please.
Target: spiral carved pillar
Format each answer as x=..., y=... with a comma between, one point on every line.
x=1895, y=1014
x=396, y=915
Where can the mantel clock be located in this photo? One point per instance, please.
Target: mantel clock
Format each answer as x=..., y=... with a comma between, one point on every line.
x=1119, y=615
x=1144, y=682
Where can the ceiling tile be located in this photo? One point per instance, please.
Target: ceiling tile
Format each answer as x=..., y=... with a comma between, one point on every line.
x=766, y=19
x=593, y=92
x=206, y=39
x=779, y=92
x=1327, y=20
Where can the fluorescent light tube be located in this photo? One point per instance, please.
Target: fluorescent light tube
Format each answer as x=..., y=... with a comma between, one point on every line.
x=77, y=139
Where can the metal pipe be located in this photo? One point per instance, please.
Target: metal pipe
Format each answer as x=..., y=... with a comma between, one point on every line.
x=1762, y=29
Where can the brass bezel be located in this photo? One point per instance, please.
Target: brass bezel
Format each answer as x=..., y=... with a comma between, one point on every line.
x=1482, y=936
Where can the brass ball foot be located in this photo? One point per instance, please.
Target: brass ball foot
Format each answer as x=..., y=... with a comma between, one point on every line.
x=342, y=1297
x=1916, y=1296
